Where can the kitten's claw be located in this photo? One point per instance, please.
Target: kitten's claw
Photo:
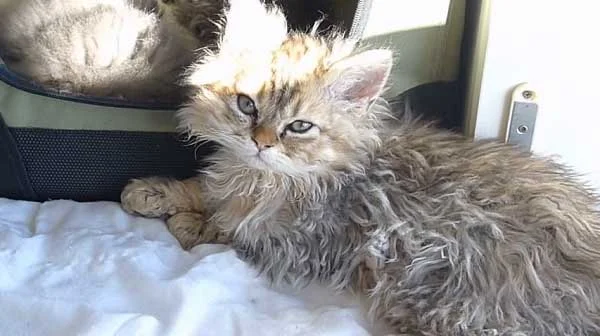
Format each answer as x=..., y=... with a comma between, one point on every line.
x=144, y=197
x=186, y=228
x=190, y=230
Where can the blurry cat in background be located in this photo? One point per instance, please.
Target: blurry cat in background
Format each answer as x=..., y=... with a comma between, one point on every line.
x=106, y=48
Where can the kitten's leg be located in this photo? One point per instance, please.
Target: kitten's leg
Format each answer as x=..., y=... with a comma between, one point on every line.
x=190, y=229
x=180, y=200
x=157, y=196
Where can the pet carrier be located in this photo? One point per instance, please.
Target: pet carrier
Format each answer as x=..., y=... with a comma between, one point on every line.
x=56, y=146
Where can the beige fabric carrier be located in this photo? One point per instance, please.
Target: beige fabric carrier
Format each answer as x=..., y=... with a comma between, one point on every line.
x=85, y=148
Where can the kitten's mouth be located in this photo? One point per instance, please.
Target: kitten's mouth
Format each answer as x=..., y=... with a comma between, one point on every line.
x=258, y=160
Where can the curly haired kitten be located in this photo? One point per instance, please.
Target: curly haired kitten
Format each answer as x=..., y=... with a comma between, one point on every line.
x=104, y=48
x=314, y=182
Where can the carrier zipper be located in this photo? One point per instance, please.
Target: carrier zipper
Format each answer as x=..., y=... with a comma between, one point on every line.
x=359, y=22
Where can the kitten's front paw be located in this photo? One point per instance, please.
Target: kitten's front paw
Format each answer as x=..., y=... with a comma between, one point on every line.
x=147, y=198
x=190, y=230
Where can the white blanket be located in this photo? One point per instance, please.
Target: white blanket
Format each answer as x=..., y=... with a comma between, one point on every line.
x=70, y=268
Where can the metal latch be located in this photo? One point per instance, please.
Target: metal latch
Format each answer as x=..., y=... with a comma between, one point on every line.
x=522, y=116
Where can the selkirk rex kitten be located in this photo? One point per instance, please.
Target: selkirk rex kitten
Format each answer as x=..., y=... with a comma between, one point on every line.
x=315, y=182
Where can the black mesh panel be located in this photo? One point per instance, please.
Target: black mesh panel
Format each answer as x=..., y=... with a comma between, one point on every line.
x=95, y=165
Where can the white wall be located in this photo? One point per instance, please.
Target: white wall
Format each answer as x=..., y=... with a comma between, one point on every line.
x=555, y=46
x=389, y=16
x=425, y=36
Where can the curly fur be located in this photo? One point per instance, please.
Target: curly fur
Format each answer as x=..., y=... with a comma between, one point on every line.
x=446, y=235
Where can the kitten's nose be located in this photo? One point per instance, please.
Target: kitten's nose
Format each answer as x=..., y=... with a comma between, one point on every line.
x=264, y=137
x=261, y=146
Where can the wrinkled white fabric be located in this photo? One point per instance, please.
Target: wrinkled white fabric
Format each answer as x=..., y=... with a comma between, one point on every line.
x=69, y=268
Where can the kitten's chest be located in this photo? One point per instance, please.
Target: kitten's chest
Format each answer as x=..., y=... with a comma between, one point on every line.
x=237, y=208
x=253, y=211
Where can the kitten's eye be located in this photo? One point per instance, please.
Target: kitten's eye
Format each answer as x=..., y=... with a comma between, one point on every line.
x=246, y=105
x=300, y=126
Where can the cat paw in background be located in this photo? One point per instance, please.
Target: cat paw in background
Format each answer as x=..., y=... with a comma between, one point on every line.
x=196, y=16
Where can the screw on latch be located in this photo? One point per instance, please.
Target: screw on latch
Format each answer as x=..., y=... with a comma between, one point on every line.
x=528, y=94
x=522, y=129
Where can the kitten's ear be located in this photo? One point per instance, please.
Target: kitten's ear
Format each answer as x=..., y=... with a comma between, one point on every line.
x=360, y=79
x=251, y=25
